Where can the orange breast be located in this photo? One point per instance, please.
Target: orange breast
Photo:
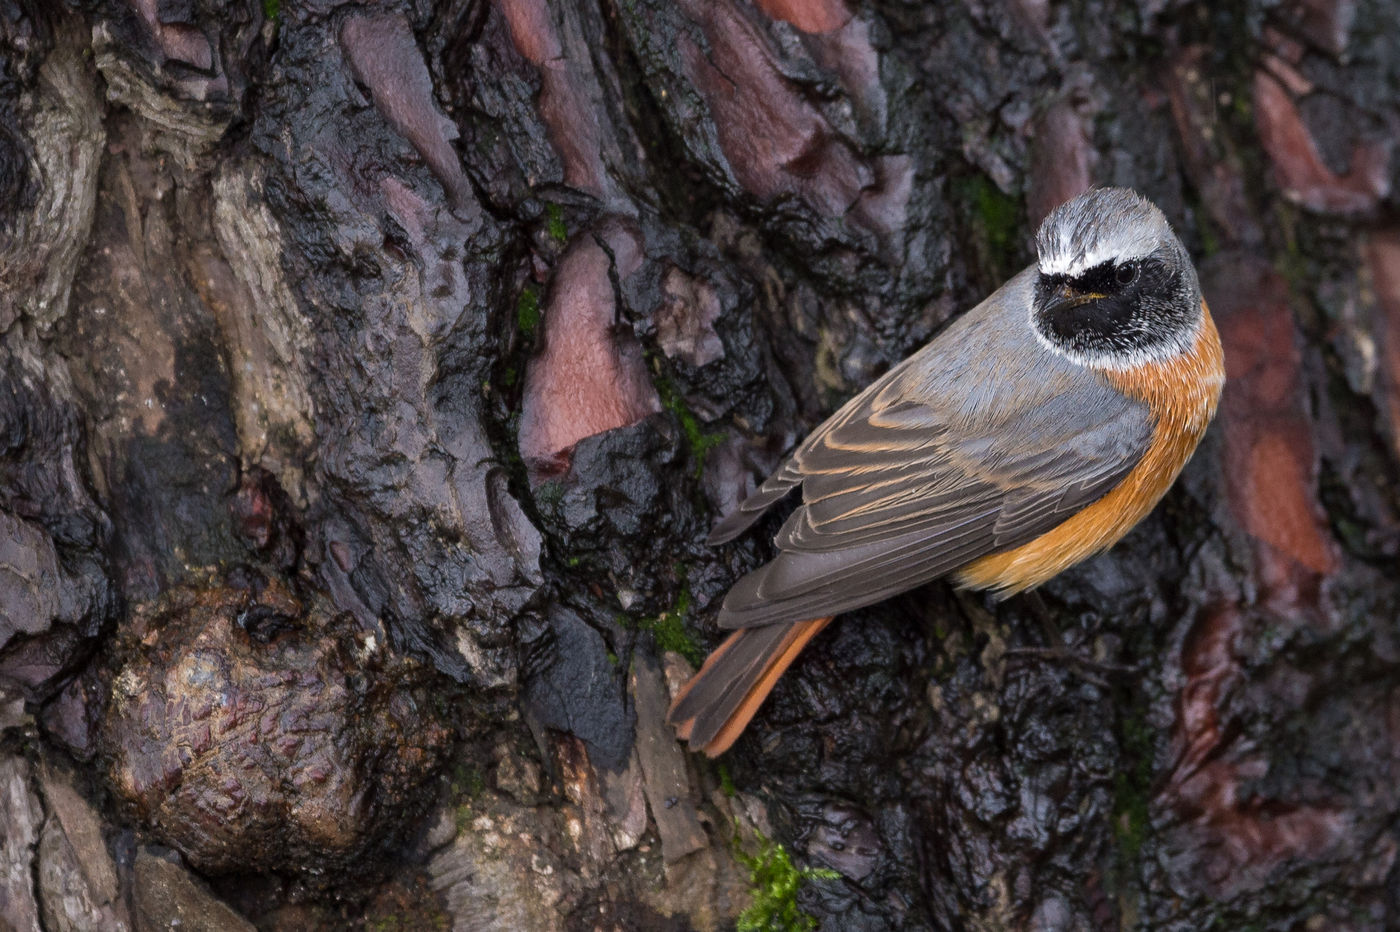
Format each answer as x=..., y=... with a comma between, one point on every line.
x=1181, y=395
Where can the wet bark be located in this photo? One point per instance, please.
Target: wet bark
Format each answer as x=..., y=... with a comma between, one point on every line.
x=371, y=373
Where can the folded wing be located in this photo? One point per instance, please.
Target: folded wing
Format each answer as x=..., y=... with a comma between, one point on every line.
x=939, y=463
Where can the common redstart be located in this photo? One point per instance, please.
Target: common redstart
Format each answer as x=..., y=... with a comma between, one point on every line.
x=1033, y=432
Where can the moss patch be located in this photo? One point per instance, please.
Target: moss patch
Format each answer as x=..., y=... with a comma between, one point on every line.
x=726, y=782
x=699, y=441
x=407, y=922
x=668, y=629
x=527, y=311
x=554, y=223
x=1132, y=787
x=998, y=212
x=468, y=781
x=995, y=220
x=774, y=882
x=548, y=495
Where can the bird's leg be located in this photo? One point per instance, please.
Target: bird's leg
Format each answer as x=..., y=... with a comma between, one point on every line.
x=1087, y=668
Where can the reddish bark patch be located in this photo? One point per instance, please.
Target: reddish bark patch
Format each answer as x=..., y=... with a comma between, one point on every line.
x=386, y=59
x=1270, y=461
x=178, y=41
x=850, y=54
x=531, y=29
x=1299, y=168
x=565, y=107
x=775, y=141
x=1326, y=23
x=1240, y=837
x=1061, y=158
x=588, y=378
x=883, y=207
x=573, y=128
x=252, y=510
x=808, y=15
x=775, y=138
x=1383, y=263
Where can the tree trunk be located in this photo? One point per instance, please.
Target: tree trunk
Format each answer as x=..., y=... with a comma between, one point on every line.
x=371, y=374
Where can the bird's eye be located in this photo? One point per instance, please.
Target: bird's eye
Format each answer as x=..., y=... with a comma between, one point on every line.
x=1126, y=273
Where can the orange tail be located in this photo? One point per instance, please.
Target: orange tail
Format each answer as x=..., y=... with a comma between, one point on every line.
x=717, y=704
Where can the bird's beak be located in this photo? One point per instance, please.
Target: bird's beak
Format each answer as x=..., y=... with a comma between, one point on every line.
x=1066, y=296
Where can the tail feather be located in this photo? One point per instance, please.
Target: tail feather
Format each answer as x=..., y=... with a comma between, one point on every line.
x=715, y=707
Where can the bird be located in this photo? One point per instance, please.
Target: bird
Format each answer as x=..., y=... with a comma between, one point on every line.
x=1032, y=432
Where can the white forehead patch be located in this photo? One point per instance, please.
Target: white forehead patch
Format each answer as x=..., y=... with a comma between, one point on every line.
x=1104, y=225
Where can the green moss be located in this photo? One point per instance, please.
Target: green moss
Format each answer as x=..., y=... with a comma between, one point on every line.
x=1132, y=788
x=995, y=220
x=726, y=782
x=1292, y=261
x=670, y=634
x=773, y=883
x=698, y=440
x=701, y=441
x=999, y=213
x=548, y=495
x=1242, y=107
x=468, y=781
x=272, y=10
x=527, y=311
x=1210, y=243
x=668, y=629
x=554, y=217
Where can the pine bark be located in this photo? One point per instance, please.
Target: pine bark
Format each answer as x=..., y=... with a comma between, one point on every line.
x=371, y=373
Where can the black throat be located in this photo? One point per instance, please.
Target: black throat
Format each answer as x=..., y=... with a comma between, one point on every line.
x=1121, y=310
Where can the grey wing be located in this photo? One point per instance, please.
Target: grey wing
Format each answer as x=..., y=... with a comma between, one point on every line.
x=913, y=480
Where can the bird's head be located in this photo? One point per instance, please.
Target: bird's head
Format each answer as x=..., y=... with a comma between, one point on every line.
x=1115, y=287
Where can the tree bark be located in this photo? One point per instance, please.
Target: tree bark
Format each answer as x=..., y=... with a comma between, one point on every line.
x=370, y=375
